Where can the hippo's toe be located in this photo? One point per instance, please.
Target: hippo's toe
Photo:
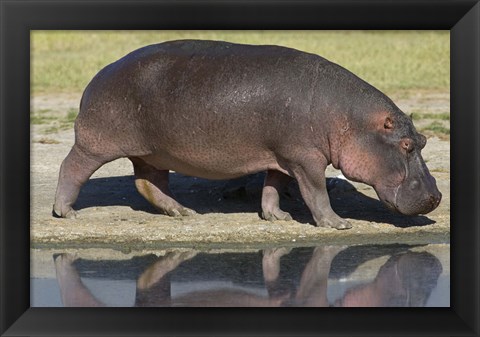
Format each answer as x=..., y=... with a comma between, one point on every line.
x=187, y=211
x=69, y=213
x=179, y=211
x=276, y=215
x=343, y=225
x=337, y=223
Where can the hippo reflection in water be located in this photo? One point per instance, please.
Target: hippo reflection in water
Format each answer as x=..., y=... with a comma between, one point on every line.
x=405, y=280
x=220, y=110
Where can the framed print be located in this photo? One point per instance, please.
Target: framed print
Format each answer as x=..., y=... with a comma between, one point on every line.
x=283, y=277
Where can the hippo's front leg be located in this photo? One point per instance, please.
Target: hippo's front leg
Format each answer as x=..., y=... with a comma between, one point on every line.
x=310, y=175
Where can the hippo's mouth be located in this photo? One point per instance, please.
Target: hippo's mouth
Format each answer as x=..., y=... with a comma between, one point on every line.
x=396, y=200
x=389, y=198
x=390, y=205
x=395, y=193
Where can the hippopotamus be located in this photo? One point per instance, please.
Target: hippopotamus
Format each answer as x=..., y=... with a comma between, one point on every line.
x=219, y=110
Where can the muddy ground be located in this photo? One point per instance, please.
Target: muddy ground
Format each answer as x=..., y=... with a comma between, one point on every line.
x=111, y=213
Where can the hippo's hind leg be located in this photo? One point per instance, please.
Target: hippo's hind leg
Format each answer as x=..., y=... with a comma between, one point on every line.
x=75, y=170
x=153, y=186
x=275, y=181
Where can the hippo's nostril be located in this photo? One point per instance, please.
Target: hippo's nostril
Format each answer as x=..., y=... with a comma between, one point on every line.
x=438, y=197
x=434, y=200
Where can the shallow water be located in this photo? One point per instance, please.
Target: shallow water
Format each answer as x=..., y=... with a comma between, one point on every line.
x=368, y=275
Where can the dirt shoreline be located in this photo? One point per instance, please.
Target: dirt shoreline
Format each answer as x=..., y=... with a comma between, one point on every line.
x=113, y=215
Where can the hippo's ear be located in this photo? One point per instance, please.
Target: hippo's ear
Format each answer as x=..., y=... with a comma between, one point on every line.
x=388, y=123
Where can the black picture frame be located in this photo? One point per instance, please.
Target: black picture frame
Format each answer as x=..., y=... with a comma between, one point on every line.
x=461, y=17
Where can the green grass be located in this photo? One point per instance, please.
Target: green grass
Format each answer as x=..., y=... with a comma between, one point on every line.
x=71, y=116
x=41, y=116
x=53, y=121
x=444, y=116
x=437, y=127
x=393, y=61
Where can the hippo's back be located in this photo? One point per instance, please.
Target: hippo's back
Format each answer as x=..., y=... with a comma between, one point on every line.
x=204, y=92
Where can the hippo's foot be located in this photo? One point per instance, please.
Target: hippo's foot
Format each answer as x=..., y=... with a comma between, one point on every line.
x=335, y=222
x=67, y=213
x=275, y=181
x=75, y=170
x=153, y=186
x=64, y=259
x=153, y=274
x=271, y=262
x=177, y=210
x=64, y=267
x=276, y=214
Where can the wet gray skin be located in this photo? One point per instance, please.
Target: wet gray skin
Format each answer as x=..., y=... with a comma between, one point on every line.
x=218, y=110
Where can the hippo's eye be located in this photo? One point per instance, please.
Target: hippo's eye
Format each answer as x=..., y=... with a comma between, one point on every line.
x=407, y=144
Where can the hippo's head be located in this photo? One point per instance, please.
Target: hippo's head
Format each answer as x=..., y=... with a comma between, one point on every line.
x=383, y=150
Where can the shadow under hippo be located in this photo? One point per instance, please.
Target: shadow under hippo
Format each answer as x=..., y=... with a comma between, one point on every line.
x=242, y=196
